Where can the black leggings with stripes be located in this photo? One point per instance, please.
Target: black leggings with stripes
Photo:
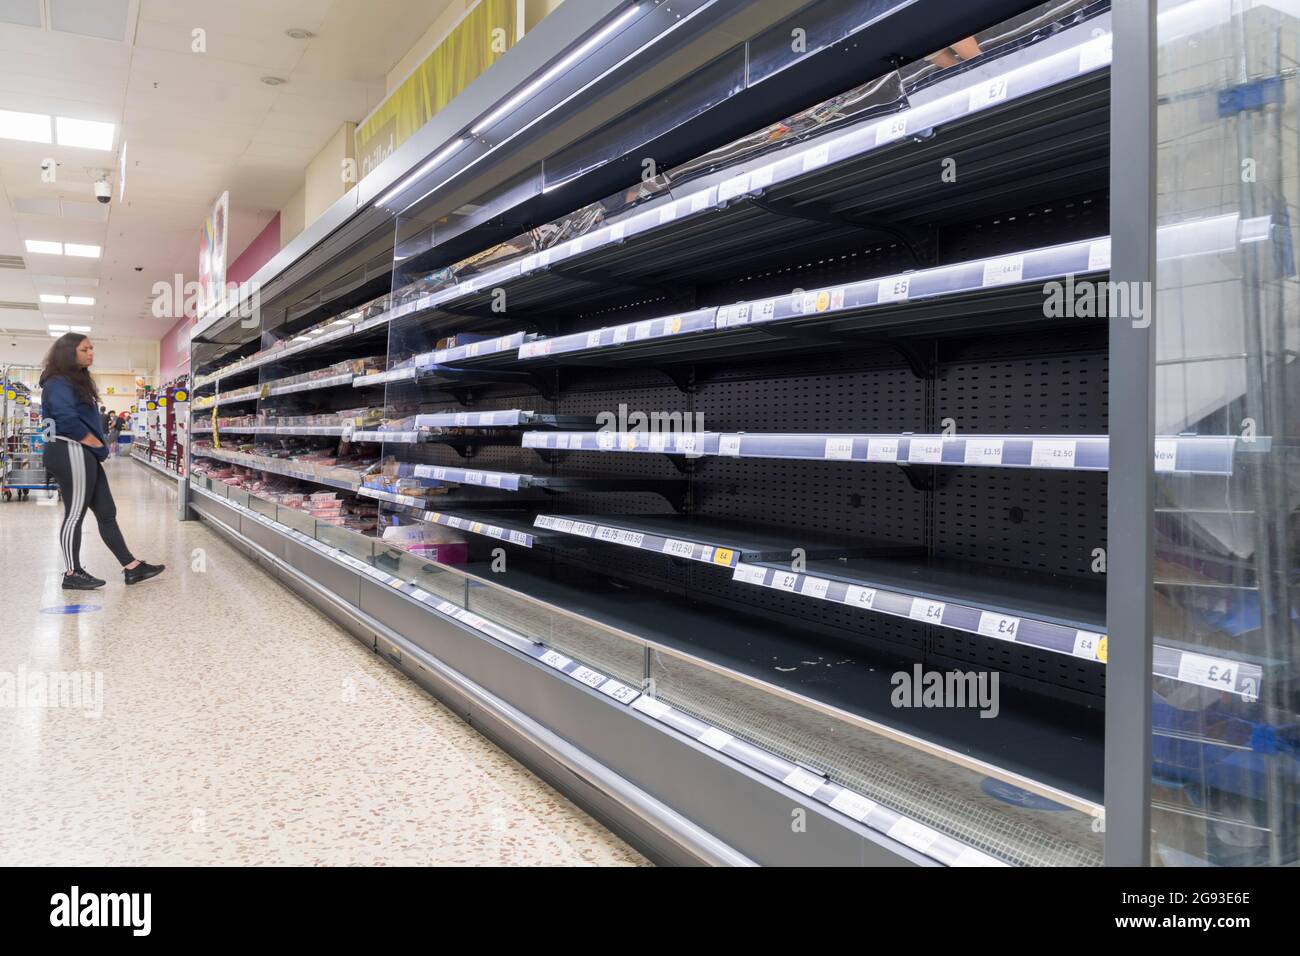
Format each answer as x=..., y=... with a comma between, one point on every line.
x=83, y=484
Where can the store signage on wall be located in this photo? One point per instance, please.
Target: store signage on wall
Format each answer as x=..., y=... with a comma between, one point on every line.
x=212, y=255
x=474, y=44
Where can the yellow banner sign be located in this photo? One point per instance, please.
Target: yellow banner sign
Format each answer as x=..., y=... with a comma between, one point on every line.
x=478, y=41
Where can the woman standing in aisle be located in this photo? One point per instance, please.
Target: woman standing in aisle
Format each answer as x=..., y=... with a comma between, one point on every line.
x=75, y=459
x=114, y=429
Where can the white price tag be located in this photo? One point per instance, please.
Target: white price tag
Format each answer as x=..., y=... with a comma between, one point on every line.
x=604, y=533
x=804, y=781
x=555, y=659
x=658, y=441
x=733, y=187
x=588, y=676
x=891, y=129
x=593, y=339
x=681, y=549
x=619, y=691
x=1095, y=53
x=518, y=537
x=817, y=157
x=969, y=856
x=686, y=444
x=1004, y=270
x=729, y=445
x=861, y=597
x=1099, y=254
x=700, y=201
x=749, y=574
x=632, y=538
x=668, y=213
x=1053, y=454
x=894, y=289
x=764, y=311
x=715, y=738
x=606, y=440
x=584, y=529
x=988, y=92
x=1207, y=671
x=785, y=580
x=839, y=449
x=852, y=805
x=1166, y=454
x=882, y=449
x=620, y=334
x=983, y=451
x=1002, y=626
x=814, y=587
x=925, y=450
x=923, y=609
x=762, y=177
x=494, y=481
x=563, y=524
x=651, y=707
x=916, y=835
x=1086, y=644
x=643, y=330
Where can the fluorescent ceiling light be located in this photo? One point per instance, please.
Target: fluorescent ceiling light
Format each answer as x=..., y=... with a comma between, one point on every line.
x=88, y=134
x=81, y=300
x=29, y=127
x=445, y=154
x=55, y=335
x=85, y=252
x=55, y=299
x=47, y=248
x=531, y=89
x=58, y=328
x=80, y=328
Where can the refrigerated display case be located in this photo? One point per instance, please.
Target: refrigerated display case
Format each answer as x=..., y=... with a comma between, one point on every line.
x=698, y=489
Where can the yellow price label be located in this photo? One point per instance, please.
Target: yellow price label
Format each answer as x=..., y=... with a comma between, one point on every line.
x=478, y=527
x=162, y=401
x=11, y=394
x=723, y=556
x=1101, y=649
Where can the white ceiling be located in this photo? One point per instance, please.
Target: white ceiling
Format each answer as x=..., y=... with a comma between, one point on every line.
x=193, y=125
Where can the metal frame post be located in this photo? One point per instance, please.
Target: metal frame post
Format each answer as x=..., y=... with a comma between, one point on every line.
x=1131, y=482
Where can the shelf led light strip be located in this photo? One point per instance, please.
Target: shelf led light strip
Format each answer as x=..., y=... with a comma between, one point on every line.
x=507, y=481
x=646, y=541
x=485, y=528
x=1181, y=454
x=1238, y=677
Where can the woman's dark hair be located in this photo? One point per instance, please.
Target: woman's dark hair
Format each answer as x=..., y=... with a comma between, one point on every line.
x=61, y=362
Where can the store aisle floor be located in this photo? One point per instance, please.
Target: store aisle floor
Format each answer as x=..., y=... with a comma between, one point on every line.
x=223, y=721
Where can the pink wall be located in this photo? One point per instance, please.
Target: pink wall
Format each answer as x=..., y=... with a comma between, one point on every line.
x=173, y=359
x=258, y=253
x=173, y=350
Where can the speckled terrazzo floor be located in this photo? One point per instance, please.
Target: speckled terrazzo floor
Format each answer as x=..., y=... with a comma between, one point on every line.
x=238, y=726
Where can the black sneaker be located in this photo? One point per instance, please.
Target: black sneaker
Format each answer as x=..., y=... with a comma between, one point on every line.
x=80, y=581
x=99, y=582
x=142, y=572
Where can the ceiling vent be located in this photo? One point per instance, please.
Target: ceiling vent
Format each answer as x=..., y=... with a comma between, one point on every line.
x=12, y=262
x=25, y=306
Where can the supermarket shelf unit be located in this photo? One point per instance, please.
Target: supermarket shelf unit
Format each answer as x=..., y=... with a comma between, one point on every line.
x=898, y=466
